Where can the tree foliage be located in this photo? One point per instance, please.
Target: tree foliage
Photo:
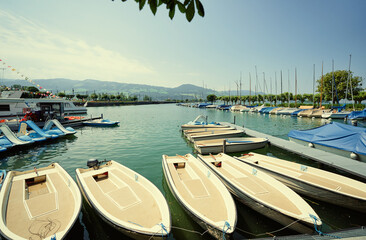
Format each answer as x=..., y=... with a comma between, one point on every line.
x=187, y=7
x=340, y=79
x=211, y=98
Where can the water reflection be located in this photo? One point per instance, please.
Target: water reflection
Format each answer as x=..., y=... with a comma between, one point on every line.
x=35, y=154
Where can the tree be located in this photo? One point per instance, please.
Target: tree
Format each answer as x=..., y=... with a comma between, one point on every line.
x=340, y=79
x=360, y=97
x=211, y=98
x=61, y=94
x=31, y=89
x=94, y=96
x=147, y=98
x=188, y=7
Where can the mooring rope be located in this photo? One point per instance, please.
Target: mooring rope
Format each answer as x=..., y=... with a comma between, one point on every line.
x=314, y=218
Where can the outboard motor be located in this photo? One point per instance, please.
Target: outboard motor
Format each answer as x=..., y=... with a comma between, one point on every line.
x=92, y=163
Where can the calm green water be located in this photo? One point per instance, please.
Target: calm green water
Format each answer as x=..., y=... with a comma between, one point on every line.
x=145, y=133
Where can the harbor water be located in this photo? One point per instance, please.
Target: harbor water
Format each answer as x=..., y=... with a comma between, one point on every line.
x=146, y=132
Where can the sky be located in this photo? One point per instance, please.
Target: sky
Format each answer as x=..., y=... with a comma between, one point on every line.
x=114, y=41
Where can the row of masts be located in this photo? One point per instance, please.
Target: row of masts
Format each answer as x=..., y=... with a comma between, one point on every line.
x=258, y=88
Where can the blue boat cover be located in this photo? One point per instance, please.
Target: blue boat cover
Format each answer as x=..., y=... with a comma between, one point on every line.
x=357, y=115
x=335, y=135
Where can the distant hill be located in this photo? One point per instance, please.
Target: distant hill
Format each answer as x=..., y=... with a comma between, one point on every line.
x=88, y=86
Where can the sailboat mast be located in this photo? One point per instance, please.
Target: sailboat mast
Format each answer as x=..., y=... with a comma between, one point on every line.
x=288, y=79
x=321, y=89
x=295, y=87
x=240, y=89
x=256, y=81
x=332, y=82
x=276, y=86
x=350, y=81
x=250, y=89
x=313, y=83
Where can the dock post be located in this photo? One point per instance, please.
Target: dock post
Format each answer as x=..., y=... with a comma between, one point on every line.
x=234, y=119
x=224, y=146
x=101, y=115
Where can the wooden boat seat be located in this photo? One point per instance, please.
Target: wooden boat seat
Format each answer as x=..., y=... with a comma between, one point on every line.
x=36, y=206
x=320, y=181
x=124, y=197
x=250, y=185
x=197, y=199
x=196, y=188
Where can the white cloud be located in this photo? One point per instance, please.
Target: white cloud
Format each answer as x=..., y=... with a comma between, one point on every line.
x=39, y=53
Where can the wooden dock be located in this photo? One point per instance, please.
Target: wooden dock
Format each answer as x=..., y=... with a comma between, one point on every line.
x=342, y=163
x=354, y=234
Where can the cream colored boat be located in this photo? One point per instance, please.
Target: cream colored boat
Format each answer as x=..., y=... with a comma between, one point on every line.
x=201, y=124
x=125, y=199
x=214, y=134
x=201, y=194
x=229, y=145
x=263, y=193
x=42, y=203
x=313, y=182
x=200, y=130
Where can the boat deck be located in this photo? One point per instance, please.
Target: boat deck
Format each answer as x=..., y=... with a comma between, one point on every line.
x=40, y=209
x=262, y=190
x=342, y=163
x=123, y=197
x=198, y=191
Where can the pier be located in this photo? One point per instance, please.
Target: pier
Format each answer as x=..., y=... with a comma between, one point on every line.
x=348, y=165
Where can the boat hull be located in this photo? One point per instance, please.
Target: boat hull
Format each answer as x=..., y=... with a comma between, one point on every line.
x=340, y=152
x=215, y=136
x=128, y=232
x=230, y=148
x=315, y=192
x=215, y=232
x=294, y=224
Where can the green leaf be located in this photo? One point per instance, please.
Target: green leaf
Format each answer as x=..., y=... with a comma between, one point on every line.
x=200, y=9
x=190, y=11
x=181, y=7
x=186, y=2
x=153, y=6
x=172, y=12
x=142, y=4
x=170, y=4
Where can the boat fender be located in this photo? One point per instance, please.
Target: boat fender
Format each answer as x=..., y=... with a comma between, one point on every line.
x=354, y=156
x=311, y=145
x=92, y=162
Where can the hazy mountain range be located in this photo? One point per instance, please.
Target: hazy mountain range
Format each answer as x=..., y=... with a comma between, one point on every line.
x=88, y=86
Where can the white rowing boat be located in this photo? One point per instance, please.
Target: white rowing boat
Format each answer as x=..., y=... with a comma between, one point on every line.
x=200, y=124
x=201, y=194
x=125, y=199
x=203, y=129
x=229, y=145
x=263, y=193
x=313, y=182
x=42, y=203
x=214, y=134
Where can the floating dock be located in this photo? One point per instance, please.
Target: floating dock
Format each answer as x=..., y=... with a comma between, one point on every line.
x=354, y=234
x=348, y=165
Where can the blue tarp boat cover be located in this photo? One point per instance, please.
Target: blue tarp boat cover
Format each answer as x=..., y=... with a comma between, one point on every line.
x=357, y=115
x=335, y=135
